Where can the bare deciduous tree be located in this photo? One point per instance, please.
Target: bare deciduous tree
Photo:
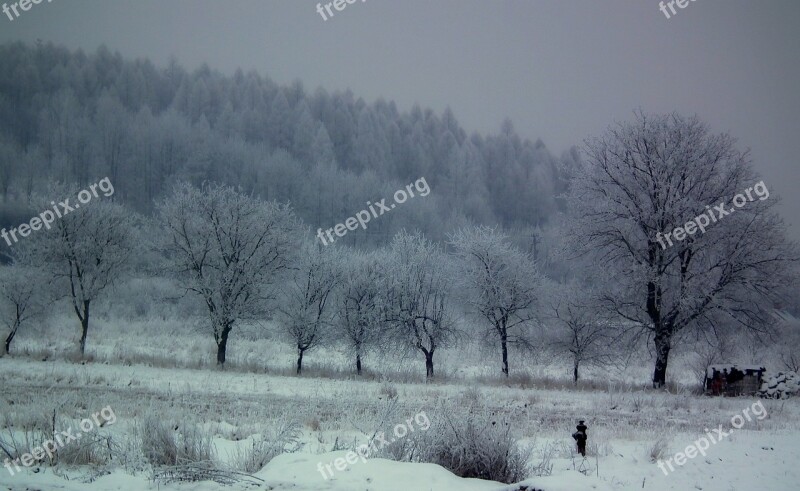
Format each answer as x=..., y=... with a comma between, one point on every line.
x=583, y=332
x=23, y=296
x=227, y=248
x=649, y=177
x=418, y=296
x=305, y=309
x=499, y=283
x=85, y=252
x=361, y=303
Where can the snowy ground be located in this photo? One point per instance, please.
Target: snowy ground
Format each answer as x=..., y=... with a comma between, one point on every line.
x=624, y=426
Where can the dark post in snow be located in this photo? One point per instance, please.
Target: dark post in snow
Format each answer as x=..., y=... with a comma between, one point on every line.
x=580, y=437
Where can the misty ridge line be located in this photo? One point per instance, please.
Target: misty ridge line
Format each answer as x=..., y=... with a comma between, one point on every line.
x=25, y=5
x=47, y=217
x=363, y=217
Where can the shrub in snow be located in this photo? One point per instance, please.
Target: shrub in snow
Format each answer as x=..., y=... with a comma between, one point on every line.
x=28, y=434
x=165, y=444
x=388, y=390
x=284, y=437
x=659, y=450
x=158, y=442
x=479, y=446
x=781, y=385
x=94, y=449
x=20, y=433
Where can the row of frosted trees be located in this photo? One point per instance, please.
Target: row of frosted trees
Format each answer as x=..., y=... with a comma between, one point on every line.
x=247, y=259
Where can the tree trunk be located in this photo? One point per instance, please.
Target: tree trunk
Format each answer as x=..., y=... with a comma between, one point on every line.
x=300, y=352
x=84, y=326
x=575, y=372
x=7, y=344
x=222, y=344
x=504, y=346
x=358, y=363
x=662, y=342
x=663, y=334
x=429, y=365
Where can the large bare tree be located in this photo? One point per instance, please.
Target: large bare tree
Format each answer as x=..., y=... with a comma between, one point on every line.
x=418, y=296
x=227, y=248
x=361, y=304
x=305, y=305
x=642, y=180
x=499, y=284
x=83, y=252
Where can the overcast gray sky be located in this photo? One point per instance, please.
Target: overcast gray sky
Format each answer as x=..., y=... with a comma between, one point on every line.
x=562, y=70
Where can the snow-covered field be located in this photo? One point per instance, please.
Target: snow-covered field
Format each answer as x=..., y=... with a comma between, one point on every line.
x=335, y=414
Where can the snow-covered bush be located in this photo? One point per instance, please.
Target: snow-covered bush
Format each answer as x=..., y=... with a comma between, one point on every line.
x=284, y=437
x=479, y=446
x=20, y=433
x=158, y=442
x=169, y=444
x=94, y=449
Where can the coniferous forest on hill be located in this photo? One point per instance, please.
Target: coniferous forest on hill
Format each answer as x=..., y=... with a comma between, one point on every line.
x=72, y=116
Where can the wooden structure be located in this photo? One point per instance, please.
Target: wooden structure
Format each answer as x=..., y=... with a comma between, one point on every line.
x=733, y=380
